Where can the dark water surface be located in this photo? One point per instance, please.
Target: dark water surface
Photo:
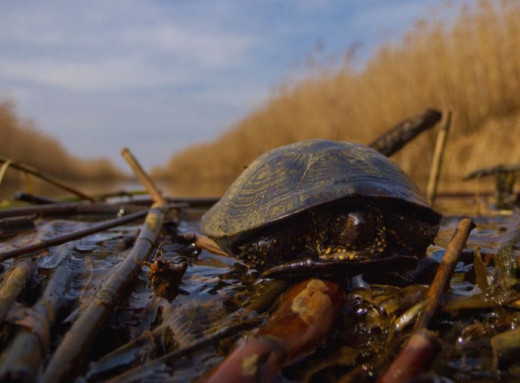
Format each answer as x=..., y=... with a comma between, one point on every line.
x=165, y=317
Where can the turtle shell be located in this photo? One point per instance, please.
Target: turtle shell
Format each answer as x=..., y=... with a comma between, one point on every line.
x=292, y=178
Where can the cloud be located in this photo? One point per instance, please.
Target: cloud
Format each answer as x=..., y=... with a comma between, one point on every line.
x=96, y=74
x=99, y=51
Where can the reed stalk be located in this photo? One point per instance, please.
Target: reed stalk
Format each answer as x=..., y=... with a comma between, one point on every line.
x=67, y=359
x=423, y=344
x=52, y=180
x=58, y=240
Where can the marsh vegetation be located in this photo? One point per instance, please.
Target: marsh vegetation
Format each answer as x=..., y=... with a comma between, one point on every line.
x=469, y=65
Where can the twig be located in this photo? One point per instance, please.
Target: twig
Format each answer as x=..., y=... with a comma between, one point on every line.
x=134, y=374
x=67, y=357
x=394, y=139
x=68, y=208
x=58, y=240
x=415, y=357
x=423, y=344
x=438, y=155
x=143, y=177
x=140, y=348
x=33, y=198
x=191, y=201
x=301, y=322
x=13, y=281
x=16, y=225
x=445, y=271
x=23, y=357
x=64, y=364
x=47, y=178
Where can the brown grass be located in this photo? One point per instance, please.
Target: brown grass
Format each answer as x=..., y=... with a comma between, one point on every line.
x=471, y=67
x=21, y=142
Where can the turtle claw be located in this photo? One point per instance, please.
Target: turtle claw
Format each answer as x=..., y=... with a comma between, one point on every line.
x=311, y=267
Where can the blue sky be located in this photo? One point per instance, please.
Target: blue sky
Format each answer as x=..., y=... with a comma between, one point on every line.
x=159, y=75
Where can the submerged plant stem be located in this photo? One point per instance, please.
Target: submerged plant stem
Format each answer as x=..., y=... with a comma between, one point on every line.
x=58, y=240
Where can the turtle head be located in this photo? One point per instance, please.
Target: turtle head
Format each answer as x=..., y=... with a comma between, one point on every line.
x=348, y=232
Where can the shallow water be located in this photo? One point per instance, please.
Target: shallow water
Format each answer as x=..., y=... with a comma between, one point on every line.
x=214, y=288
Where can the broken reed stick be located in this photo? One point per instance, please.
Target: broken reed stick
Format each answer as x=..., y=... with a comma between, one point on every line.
x=438, y=156
x=67, y=358
x=204, y=202
x=68, y=208
x=391, y=141
x=13, y=282
x=145, y=180
x=423, y=344
x=141, y=346
x=58, y=240
x=22, y=358
x=54, y=181
x=9, y=227
x=299, y=325
x=34, y=199
x=140, y=373
x=66, y=361
x=445, y=271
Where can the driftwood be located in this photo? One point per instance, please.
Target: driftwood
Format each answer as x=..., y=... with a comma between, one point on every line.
x=423, y=344
x=394, y=139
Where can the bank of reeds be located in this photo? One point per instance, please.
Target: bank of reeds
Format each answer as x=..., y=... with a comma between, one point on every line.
x=470, y=65
x=20, y=141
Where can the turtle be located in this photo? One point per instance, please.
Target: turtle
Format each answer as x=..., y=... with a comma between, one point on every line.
x=329, y=202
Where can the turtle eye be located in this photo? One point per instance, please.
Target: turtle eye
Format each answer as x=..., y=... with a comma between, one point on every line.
x=354, y=230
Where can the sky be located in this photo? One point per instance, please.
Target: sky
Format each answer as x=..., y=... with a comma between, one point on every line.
x=159, y=75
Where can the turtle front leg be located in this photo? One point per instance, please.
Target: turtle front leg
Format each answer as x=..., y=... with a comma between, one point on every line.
x=270, y=249
x=202, y=241
x=264, y=251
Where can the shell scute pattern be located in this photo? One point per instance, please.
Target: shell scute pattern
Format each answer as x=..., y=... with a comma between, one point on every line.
x=286, y=181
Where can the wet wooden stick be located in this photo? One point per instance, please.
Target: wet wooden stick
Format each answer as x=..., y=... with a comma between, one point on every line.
x=67, y=208
x=53, y=181
x=299, y=325
x=140, y=348
x=445, y=271
x=438, y=155
x=391, y=141
x=139, y=373
x=67, y=359
x=145, y=180
x=13, y=281
x=423, y=344
x=58, y=240
x=22, y=358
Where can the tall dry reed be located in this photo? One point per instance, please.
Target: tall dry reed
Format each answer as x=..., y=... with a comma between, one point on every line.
x=471, y=66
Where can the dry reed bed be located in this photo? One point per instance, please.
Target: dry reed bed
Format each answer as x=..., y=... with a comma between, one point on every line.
x=471, y=66
x=20, y=141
